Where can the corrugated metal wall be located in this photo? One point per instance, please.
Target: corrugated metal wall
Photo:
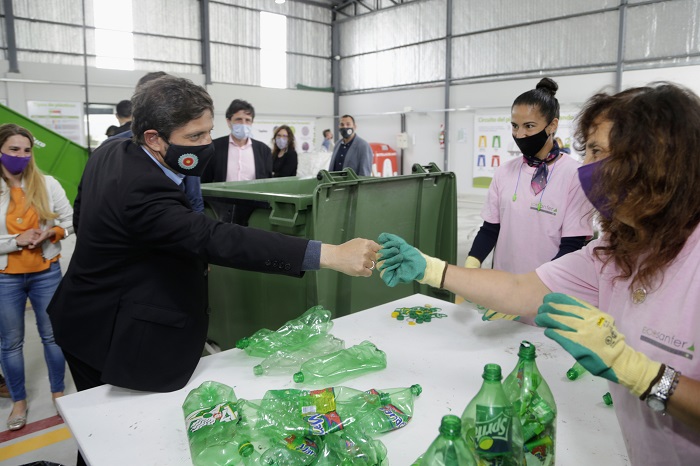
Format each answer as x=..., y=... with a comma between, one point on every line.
x=398, y=46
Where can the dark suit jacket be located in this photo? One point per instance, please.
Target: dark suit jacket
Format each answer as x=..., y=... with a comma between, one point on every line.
x=133, y=303
x=236, y=210
x=216, y=169
x=286, y=165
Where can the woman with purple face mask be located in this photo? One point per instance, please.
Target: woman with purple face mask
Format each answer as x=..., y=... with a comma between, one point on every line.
x=626, y=306
x=284, y=154
x=35, y=216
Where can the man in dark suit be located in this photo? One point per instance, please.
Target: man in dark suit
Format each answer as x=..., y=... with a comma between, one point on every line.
x=132, y=308
x=238, y=157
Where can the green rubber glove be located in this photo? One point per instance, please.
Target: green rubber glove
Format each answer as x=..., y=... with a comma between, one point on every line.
x=590, y=336
x=399, y=262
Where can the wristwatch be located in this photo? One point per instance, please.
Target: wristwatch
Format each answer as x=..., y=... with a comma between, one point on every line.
x=662, y=390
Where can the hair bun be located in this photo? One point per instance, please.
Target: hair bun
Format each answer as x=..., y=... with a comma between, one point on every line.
x=548, y=85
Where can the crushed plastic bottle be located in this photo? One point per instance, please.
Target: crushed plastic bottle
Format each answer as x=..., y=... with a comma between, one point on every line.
x=351, y=362
x=211, y=418
x=292, y=336
x=394, y=412
x=352, y=447
x=534, y=406
x=286, y=362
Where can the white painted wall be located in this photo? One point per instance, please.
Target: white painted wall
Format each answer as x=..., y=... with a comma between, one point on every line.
x=377, y=114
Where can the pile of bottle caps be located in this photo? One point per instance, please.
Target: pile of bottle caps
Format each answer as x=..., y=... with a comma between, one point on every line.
x=417, y=314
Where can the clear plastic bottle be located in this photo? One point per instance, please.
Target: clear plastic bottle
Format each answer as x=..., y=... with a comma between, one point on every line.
x=534, y=405
x=291, y=336
x=489, y=424
x=449, y=448
x=212, y=426
x=332, y=368
x=286, y=362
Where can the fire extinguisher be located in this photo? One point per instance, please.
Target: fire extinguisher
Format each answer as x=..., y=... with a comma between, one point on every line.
x=441, y=138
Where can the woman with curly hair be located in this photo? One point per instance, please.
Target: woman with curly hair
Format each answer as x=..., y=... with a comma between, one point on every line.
x=626, y=305
x=35, y=216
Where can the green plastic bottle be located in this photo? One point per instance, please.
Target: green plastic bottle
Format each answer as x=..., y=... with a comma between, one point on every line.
x=449, y=448
x=332, y=368
x=287, y=362
x=394, y=412
x=534, y=405
x=292, y=336
x=489, y=423
x=576, y=371
x=212, y=419
x=352, y=447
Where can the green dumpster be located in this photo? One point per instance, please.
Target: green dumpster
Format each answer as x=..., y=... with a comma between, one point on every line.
x=334, y=208
x=54, y=154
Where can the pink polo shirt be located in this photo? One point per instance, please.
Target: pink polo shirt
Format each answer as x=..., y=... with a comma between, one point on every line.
x=665, y=327
x=241, y=161
x=530, y=237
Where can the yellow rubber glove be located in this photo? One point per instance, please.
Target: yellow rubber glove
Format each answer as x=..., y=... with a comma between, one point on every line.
x=590, y=336
x=472, y=263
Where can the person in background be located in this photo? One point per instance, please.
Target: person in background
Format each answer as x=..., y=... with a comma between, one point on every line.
x=352, y=151
x=635, y=318
x=35, y=216
x=123, y=115
x=327, y=145
x=284, y=154
x=238, y=157
x=191, y=184
x=535, y=209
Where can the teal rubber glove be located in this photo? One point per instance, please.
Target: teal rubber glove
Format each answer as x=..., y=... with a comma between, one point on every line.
x=591, y=337
x=399, y=262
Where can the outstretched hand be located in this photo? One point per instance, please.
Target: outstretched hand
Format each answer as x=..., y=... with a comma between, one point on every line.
x=357, y=257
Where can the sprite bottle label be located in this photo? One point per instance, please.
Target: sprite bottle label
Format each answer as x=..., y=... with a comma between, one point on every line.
x=303, y=445
x=493, y=431
x=319, y=411
x=207, y=417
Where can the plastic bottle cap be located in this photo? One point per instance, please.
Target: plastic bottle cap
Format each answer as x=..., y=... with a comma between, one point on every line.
x=298, y=377
x=258, y=369
x=607, y=399
x=400, y=317
x=416, y=389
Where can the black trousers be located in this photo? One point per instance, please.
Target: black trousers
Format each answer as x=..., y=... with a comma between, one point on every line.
x=85, y=377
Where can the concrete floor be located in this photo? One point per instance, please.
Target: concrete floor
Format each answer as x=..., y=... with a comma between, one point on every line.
x=46, y=438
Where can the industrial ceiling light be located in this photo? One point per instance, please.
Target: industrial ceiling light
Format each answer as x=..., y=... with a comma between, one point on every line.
x=279, y=2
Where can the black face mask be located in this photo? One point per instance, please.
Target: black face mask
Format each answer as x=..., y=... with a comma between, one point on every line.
x=531, y=145
x=189, y=160
x=346, y=132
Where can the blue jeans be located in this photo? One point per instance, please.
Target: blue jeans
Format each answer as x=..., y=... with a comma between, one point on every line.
x=39, y=287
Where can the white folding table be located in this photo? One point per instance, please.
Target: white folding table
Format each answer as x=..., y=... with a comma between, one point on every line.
x=116, y=426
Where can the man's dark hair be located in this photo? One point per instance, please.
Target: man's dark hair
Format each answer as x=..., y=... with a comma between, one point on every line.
x=166, y=104
x=238, y=105
x=150, y=77
x=124, y=109
x=348, y=116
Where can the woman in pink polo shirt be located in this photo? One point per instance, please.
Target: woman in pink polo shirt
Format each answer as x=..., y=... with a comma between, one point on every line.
x=641, y=278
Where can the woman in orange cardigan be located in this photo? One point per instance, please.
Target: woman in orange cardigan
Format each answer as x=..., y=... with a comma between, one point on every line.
x=35, y=216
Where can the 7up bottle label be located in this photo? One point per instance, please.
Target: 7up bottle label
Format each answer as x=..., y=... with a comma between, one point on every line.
x=492, y=437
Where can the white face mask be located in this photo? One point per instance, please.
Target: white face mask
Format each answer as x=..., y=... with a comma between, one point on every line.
x=281, y=143
x=240, y=131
